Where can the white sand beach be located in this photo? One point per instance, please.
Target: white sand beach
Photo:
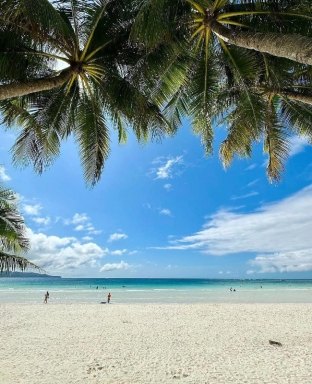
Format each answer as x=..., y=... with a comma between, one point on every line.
x=167, y=343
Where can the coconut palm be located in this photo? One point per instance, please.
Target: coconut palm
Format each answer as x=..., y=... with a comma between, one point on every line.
x=281, y=28
x=12, y=234
x=93, y=92
x=254, y=95
x=279, y=105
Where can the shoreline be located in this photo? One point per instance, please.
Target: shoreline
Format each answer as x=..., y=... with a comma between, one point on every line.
x=156, y=343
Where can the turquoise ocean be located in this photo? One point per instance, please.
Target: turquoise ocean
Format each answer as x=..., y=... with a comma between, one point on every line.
x=94, y=290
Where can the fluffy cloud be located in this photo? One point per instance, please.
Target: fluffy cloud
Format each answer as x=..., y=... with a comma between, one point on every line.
x=114, y=267
x=167, y=167
x=32, y=210
x=82, y=222
x=62, y=253
x=79, y=218
x=79, y=227
x=119, y=252
x=117, y=236
x=165, y=212
x=279, y=234
x=87, y=238
x=3, y=175
x=92, y=231
x=42, y=220
x=297, y=144
x=297, y=261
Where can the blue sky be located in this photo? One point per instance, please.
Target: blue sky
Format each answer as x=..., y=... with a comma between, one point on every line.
x=166, y=210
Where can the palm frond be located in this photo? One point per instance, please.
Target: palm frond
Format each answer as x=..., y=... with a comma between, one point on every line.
x=245, y=126
x=12, y=229
x=276, y=144
x=10, y=262
x=154, y=21
x=41, y=21
x=297, y=117
x=92, y=136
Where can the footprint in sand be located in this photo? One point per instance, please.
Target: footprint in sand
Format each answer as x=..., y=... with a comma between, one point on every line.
x=178, y=374
x=95, y=366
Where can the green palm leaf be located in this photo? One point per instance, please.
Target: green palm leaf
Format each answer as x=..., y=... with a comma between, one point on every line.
x=92, y=136
x=10, y=262
x=276, y=143
x=12, y=234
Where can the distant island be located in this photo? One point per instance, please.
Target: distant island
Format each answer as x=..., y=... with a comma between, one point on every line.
x=28, y=274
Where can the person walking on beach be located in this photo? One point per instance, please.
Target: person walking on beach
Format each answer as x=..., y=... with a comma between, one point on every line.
x=46, y=296
x=109, y=297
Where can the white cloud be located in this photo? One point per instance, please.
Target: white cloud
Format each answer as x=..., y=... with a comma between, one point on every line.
x=297, y=144
x=32, y=210
x=168, y=187
x=3, y=175
x=250, y=194
x=119, y=252
x=91, y=230
x=250, y=272
x=165, y=212
x=80, y=227
x=117, y=236
x=79, y=218
x=167, y=167
x=87, y=238
x=251, y=167
x=62, y=253
x=42, y=220
x=82, y=222
x=252, y=183
x=114, y=267
x=278, y=233
x=132, y=253
x=296, y=261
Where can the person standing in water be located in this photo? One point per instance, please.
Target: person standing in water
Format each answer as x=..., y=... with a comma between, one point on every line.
x=109, y=297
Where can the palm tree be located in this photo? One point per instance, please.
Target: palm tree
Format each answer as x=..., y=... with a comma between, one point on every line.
x=253, y=94
x=277, y=106
x=12, y=234
x=280, y=28
x=94, y=91
x=181, y=58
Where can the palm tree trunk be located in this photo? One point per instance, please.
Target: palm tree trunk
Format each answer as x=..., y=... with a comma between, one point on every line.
x=306, y=99
x=7, y=91
x=289, y=94
x=294, y=47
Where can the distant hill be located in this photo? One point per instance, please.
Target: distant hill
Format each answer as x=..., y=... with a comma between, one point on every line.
x=28, y=274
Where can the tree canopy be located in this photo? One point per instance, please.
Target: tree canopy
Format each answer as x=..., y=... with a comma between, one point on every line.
x=242, y=64
x=255, y=92
x=95, y=90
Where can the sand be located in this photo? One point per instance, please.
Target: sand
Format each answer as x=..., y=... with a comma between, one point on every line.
x=167, y=343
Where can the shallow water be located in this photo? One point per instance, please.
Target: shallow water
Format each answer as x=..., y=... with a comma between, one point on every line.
x=31, y=290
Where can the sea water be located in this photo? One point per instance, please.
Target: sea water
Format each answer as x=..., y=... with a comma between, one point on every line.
x=95, y=290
